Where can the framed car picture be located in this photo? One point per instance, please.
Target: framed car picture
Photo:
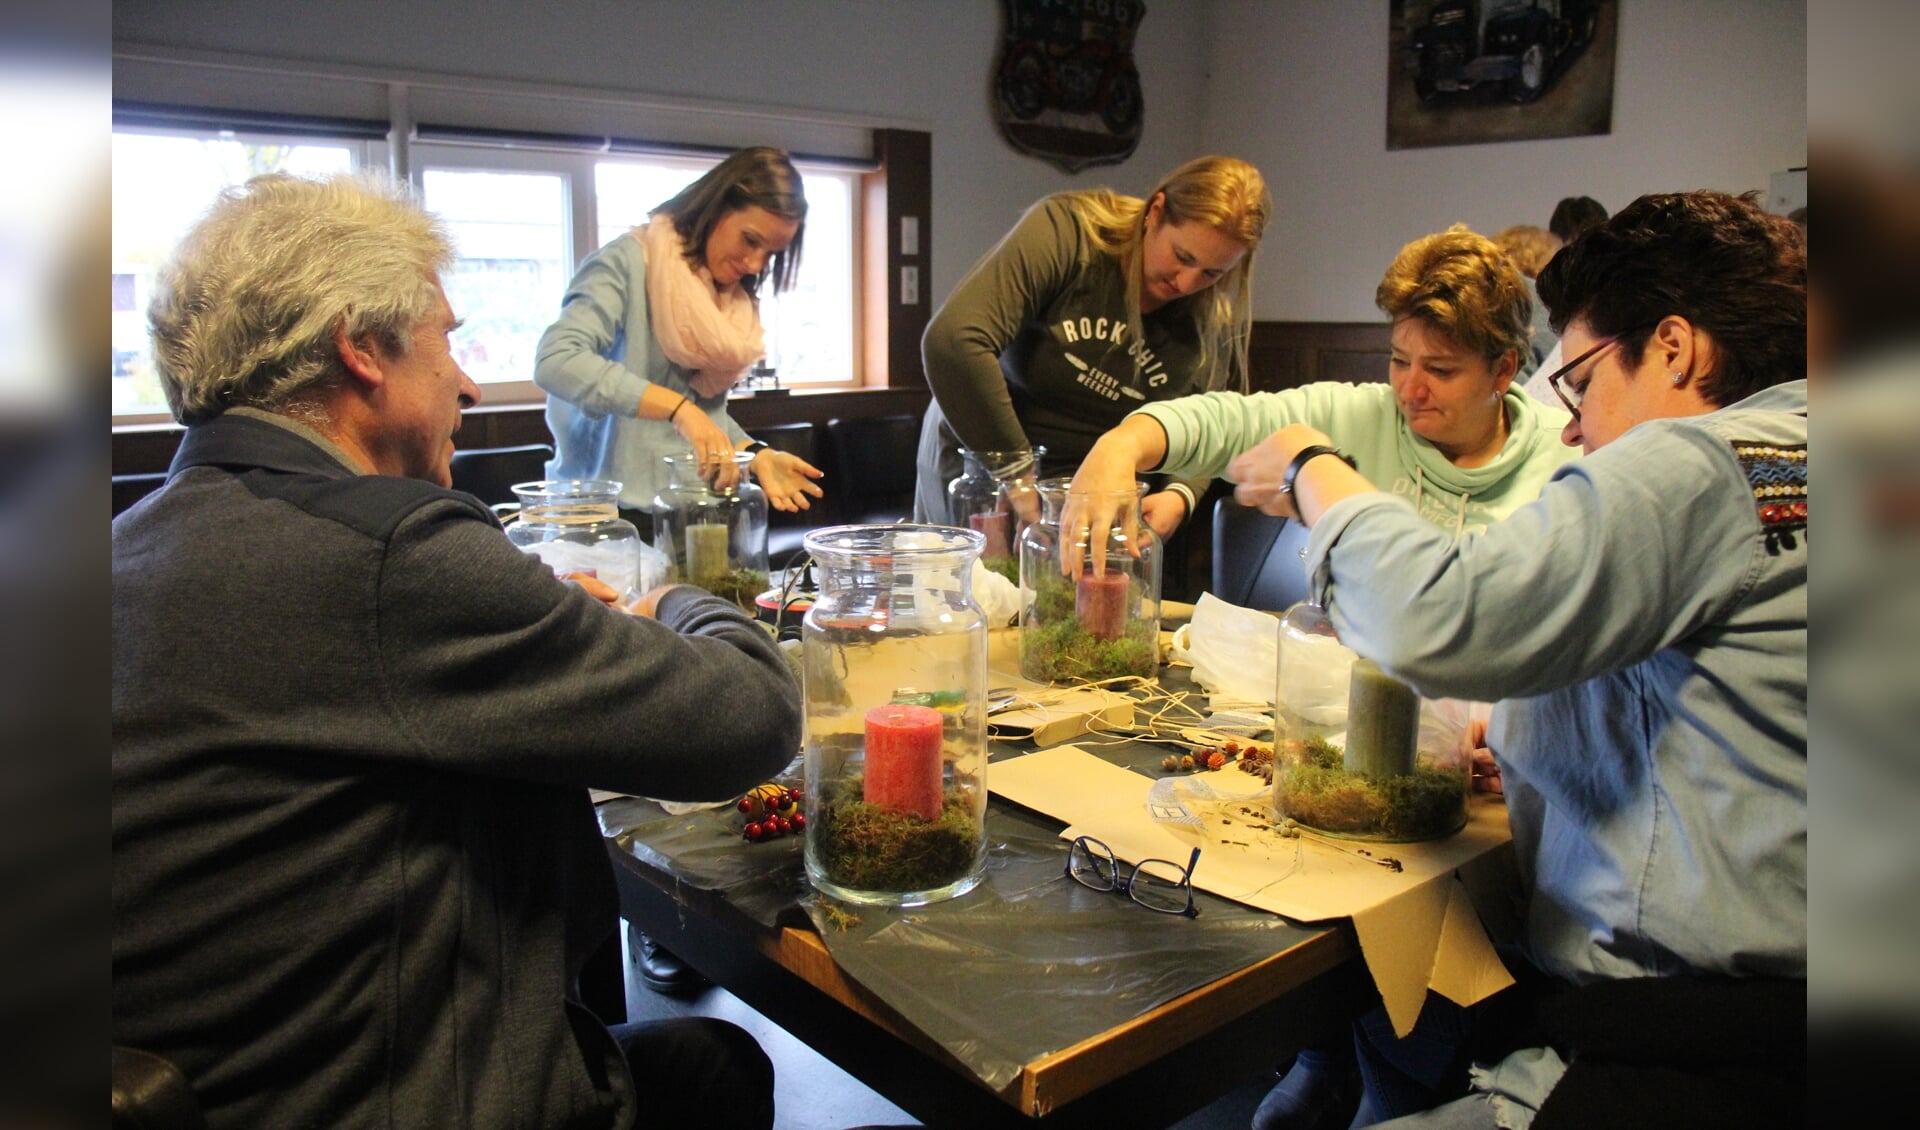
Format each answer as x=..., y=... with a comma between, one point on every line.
x=1465, y=72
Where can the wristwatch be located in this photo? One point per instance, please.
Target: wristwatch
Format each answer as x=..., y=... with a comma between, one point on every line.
x=1300, y=460
x=755, y=447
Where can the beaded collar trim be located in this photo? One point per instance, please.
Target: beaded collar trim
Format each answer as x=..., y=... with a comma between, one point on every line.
x=1779, y=479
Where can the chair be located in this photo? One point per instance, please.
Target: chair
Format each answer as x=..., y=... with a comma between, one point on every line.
x=1256, y=558
x=786, y=532
x=151, y=1093
x=129, y=489
x=488, y=473
x=874, y=459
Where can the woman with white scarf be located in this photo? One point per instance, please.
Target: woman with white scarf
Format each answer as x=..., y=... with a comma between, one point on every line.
x=660, y=323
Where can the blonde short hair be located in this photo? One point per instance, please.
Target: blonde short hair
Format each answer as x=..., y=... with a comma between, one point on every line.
x=1463, y=285
x=1529, y=246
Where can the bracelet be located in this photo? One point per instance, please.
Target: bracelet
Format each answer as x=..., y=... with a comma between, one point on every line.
x=1300, y=460
x=676, y=409
x=755, y=447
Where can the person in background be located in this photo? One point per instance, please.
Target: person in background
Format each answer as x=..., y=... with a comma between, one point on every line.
x=1446, y=431
x=1574, y=216
x=660, y=323
x=1093, y=304
x=1644, y=623
x=1530, y=247
x=356, y=871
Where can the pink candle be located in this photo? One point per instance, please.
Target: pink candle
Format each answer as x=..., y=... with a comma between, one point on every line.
x=903, y=759
x=993, y=524
x=1100, y=604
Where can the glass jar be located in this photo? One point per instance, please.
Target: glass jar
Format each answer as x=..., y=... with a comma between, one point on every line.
x=1350, y=757
x=715, y=538
x=1087, y=627
x=894, y=657
x=574, y=525
x=995, y=494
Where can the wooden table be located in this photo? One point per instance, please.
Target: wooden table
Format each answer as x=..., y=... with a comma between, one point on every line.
x=1303, y=987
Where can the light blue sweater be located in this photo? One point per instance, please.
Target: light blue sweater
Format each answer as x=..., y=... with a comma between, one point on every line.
x=594, y=363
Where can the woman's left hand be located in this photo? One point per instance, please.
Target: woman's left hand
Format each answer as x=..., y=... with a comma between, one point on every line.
x=1164, y=510
x=787, y=479
x=1257, y=473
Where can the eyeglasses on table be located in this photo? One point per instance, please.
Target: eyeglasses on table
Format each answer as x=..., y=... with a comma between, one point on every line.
x=1160, y=885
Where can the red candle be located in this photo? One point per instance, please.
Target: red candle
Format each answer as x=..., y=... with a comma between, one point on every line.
x=1100, y=604
x=994, y=524
x=903, y=759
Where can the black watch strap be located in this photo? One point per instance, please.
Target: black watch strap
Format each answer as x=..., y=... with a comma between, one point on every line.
x=1308, y=453
x=755, y=447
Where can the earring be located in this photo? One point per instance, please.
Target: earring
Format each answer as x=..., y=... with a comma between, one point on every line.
x=1679, y=379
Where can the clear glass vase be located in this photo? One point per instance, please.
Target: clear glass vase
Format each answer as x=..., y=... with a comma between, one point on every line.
x=894, y=655
x=1350, y=756
x=995, y=493
x=574, y=525
x=1086, y=627
x=715, y=538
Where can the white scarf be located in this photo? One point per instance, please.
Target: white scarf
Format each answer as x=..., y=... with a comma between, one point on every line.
x=714, y=333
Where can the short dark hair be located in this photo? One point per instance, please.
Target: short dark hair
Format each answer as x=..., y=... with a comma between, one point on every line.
x=1575, y=215
x=1719, y=261
x=760, y=176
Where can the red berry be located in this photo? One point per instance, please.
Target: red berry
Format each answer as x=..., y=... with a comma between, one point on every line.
x=785, y=822
x=800, y=820
x=745, y=806
x=753, y=830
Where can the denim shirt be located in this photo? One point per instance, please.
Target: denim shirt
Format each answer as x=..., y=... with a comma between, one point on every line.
x=595, y=361
x=1646, y=621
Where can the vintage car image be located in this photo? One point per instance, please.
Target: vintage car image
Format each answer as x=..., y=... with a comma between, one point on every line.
x=1518, y=47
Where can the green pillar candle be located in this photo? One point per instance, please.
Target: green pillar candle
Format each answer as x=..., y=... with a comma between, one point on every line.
x=1383, y=722
x=706, y=553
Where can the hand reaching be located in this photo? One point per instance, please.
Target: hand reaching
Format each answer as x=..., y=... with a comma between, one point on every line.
x=710, y=444
x=1485, y=770
x=787, y=479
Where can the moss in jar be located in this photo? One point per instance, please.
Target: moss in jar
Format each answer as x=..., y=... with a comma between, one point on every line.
x=1006, y=565
x=1316, y=790
x=741, y=586
x=870, y=848
x=1054, y=648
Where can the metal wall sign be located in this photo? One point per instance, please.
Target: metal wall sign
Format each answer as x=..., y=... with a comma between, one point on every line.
x=1065, y=87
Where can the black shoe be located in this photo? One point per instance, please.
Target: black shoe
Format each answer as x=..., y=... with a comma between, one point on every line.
x=1320, y=1092
x=660, y=969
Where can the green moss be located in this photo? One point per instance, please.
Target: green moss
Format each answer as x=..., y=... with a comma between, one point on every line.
x=1316, y=791
x=1054, y=648
x=868, y=848
x=1007, y=566
x=741, y=586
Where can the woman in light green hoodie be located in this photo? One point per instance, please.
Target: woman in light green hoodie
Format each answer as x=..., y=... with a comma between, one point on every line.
x=1448, y=431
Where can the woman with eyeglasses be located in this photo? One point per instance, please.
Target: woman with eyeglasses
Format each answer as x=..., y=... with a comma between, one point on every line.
x=1645, y=620
x=1448, y=431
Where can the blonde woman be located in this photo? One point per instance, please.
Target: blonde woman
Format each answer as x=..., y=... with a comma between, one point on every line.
x=1094, y=304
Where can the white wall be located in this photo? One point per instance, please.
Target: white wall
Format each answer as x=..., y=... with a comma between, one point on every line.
x=1707, y=94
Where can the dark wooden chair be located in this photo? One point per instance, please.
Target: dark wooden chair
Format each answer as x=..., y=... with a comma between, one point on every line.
x=488, y=473
x=785, y=531
x=1256, y=558
x=874, y=462
x=129, y=489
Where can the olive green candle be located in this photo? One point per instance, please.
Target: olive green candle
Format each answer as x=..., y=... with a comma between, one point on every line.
x=706, y=553
x=1383, y=722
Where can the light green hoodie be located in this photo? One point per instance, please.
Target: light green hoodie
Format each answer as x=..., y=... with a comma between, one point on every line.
x=1206, y=432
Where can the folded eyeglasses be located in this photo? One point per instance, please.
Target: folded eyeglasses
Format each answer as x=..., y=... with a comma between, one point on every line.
x=1160, y=885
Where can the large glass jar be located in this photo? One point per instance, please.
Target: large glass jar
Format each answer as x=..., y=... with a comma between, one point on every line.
x=1085, y=626
x=995, y=494
x=574, y=525
x=894, y=655
x=715, y=537
x=1350, y=756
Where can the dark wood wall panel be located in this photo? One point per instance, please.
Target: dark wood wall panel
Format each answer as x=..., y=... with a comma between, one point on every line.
x=1289, y=354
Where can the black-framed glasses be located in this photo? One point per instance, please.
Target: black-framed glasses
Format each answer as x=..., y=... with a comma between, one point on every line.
x=1160, y=885
x=1571, y=397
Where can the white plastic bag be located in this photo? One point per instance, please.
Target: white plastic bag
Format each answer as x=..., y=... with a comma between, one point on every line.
x=1232, y=649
